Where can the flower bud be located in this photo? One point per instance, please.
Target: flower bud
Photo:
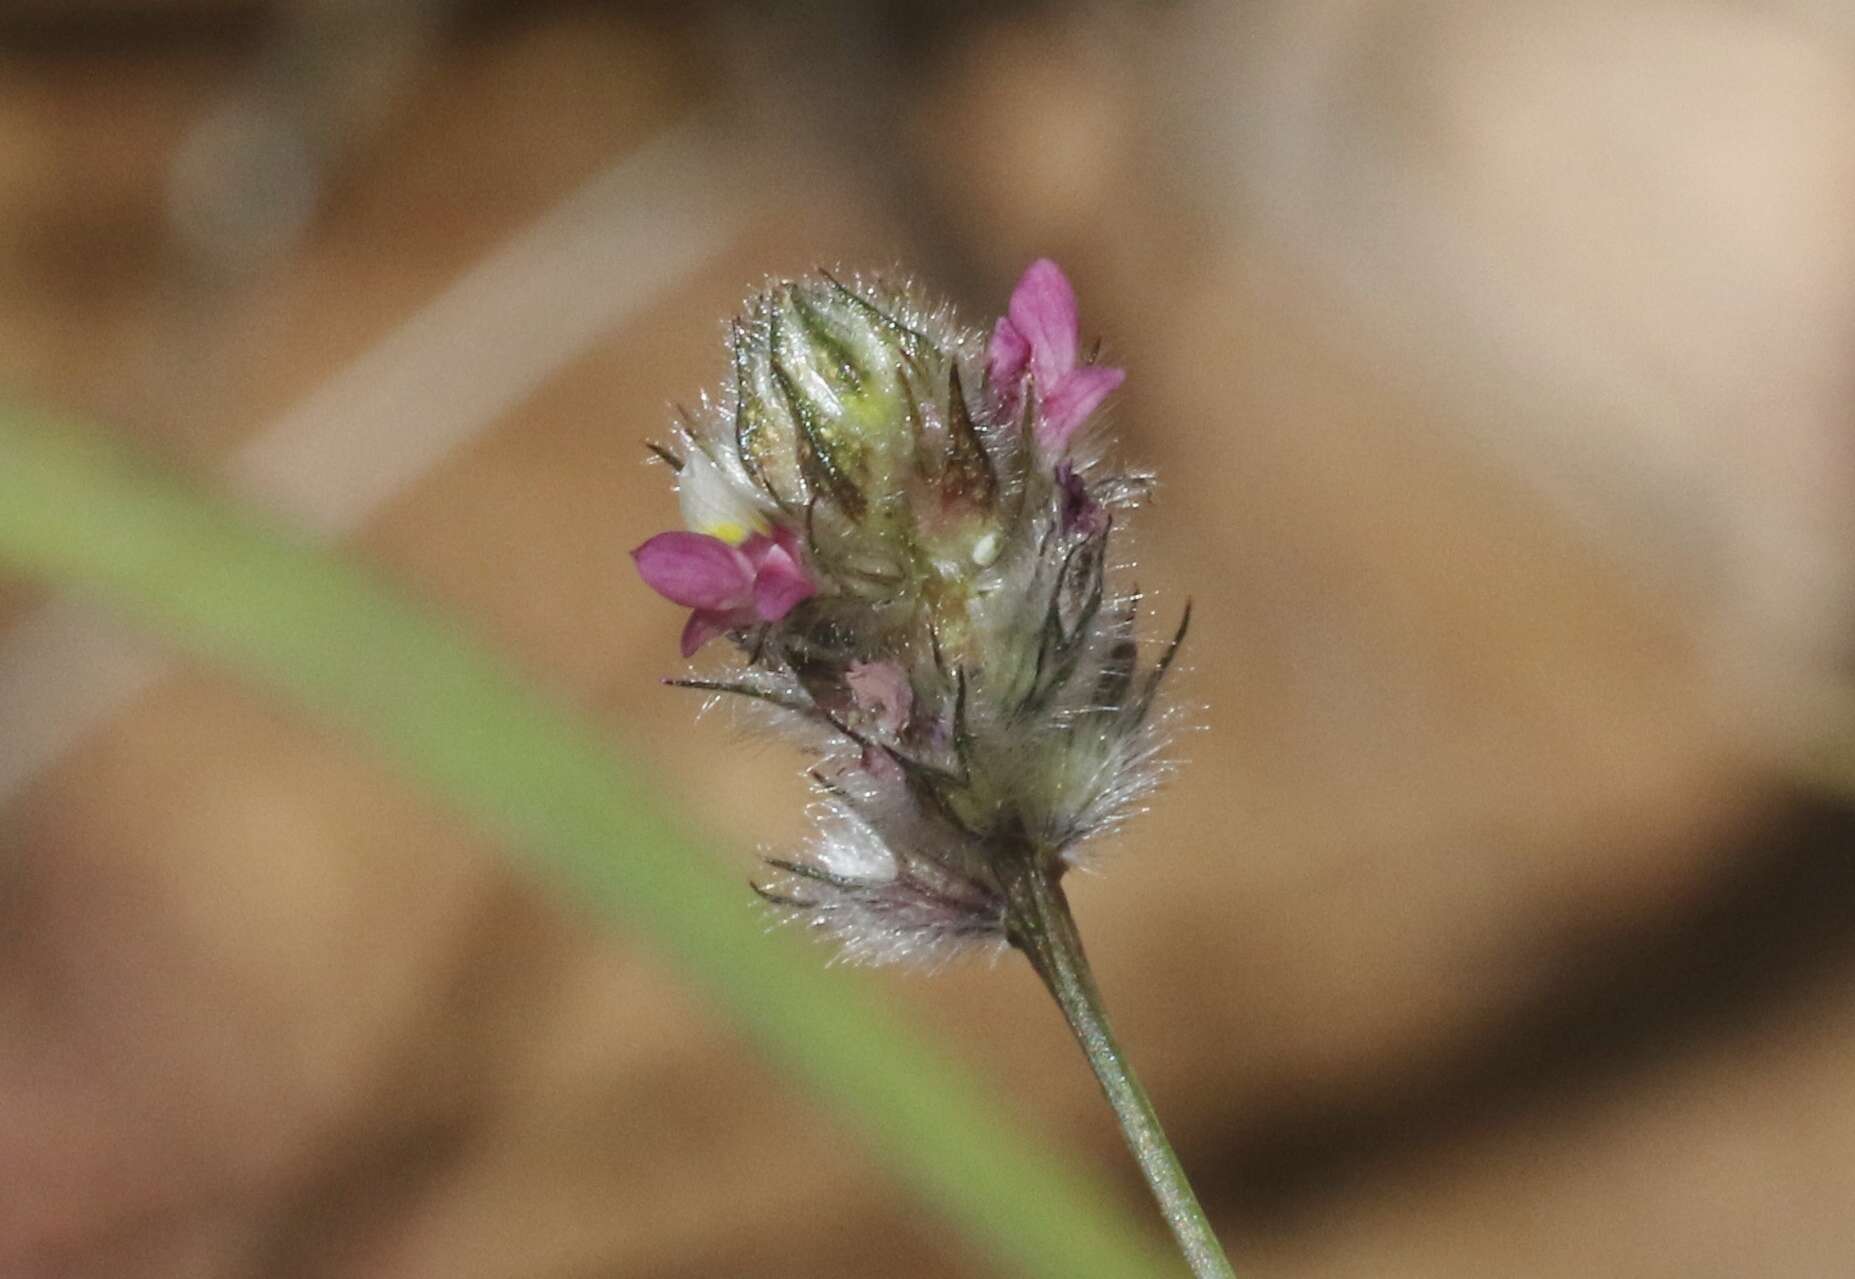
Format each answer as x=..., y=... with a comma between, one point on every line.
x=822, y=397
x=851, y=412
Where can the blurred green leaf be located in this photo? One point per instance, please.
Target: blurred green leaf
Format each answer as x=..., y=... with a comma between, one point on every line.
x=228, y=587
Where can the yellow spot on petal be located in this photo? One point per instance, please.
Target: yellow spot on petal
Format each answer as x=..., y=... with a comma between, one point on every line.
x=733, y=532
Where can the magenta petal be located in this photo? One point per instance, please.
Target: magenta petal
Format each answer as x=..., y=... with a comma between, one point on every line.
x=780, y=585
x=787, y=539
x=1043, y=311
x=1006, y=356
x=1070, y=402
x=703, y=626
x=695, y=570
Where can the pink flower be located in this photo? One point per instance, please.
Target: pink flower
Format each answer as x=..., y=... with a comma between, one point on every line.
x=881, y=690
x=728, y=587
x=1037, y=335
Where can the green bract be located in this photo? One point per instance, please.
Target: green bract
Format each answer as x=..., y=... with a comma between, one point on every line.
x=859, y=415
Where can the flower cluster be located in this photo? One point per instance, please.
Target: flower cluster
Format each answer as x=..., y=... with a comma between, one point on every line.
x=903, y=527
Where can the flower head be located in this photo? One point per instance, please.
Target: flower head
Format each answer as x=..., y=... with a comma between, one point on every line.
x=913, y=568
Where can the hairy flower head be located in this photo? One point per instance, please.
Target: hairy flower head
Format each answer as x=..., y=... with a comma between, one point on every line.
x=904, y=528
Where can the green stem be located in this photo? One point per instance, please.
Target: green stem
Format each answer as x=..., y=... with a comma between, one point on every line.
x=1043, y=928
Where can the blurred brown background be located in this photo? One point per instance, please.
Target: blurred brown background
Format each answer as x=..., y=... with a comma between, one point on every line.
x=1498, y=363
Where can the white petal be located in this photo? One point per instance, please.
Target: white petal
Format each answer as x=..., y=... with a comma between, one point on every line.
x=717, y=503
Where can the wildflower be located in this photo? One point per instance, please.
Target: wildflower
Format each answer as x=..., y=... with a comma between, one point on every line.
x=1038, y=336
x=915, y=572
x=886, y=516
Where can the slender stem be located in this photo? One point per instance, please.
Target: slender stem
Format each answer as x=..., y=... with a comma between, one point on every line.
x=1043, y=928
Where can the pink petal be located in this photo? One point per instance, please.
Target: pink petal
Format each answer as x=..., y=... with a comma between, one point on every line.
x=695, y=570
x=882, y=691
x=1006, y=357
x=1071, y=400
x=1043, y=311
x=703, y=626
x=787, y=539
x=780, y=584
